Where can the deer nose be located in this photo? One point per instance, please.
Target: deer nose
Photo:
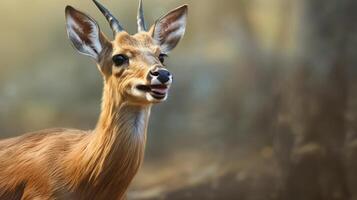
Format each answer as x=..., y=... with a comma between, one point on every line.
x=162, y=75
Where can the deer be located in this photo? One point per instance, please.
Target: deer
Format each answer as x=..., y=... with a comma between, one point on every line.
x=101, y=163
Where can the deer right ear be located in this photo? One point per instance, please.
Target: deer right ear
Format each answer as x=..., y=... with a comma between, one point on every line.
x=84, y=33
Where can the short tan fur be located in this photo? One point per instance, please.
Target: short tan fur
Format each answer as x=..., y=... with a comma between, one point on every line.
x=99, y=164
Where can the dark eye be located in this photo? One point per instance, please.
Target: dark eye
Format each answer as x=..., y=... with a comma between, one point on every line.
x=120, y=60
x=162, y=57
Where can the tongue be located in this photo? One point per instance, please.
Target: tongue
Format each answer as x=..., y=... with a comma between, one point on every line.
x=159, y=90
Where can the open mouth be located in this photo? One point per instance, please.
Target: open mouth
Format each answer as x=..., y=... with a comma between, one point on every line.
x=157, y=91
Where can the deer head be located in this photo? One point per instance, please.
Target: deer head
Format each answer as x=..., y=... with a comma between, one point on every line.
x=131, y=65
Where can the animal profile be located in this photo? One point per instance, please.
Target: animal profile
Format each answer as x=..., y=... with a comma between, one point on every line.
x=99, y=164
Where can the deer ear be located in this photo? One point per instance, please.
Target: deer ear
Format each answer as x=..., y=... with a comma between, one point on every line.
x=84, y=33
x=170, y=28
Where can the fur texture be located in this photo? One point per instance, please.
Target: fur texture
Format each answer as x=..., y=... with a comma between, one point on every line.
x=66, y=164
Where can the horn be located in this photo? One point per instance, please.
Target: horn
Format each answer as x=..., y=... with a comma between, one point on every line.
x=114, y=23
x=140, y=17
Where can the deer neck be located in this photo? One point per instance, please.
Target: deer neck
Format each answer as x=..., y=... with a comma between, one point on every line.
x=115, y=150
x=120, y=122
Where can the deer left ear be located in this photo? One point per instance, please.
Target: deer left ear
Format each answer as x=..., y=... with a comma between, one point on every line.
x=84, y=33
x=170, y=28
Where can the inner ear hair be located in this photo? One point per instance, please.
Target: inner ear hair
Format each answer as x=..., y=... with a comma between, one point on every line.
x=84, y=33
x=170, y=28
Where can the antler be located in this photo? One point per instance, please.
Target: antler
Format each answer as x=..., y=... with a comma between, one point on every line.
x=140, y=17
x=114, y=23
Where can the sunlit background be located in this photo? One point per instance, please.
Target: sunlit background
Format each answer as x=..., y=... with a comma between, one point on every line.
x=263, y=106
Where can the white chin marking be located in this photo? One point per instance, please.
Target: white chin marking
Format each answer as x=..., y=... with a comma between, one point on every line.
x=150, y=98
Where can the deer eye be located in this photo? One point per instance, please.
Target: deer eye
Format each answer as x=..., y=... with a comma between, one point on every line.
x=120, y=60
x=162, y=57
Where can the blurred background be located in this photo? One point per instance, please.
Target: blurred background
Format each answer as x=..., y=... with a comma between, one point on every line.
x=264, y=104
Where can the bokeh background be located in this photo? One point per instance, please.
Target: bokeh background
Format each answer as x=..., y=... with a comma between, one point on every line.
x=264, y=104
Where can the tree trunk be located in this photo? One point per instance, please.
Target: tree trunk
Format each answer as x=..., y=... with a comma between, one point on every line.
x=314, y=106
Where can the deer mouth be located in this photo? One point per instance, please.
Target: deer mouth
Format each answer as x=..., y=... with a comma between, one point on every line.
x=157, y=91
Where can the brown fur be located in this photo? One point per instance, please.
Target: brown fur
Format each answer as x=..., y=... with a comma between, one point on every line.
x=98, y=164
x=65, y=164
